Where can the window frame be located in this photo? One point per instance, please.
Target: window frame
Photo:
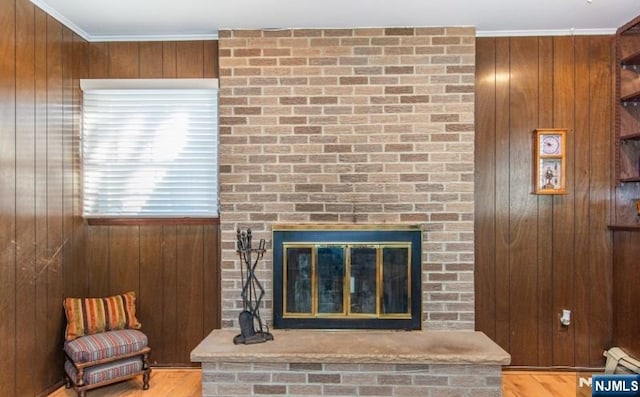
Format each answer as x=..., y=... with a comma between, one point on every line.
x=124, y=84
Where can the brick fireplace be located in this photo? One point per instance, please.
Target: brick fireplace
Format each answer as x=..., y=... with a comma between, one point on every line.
x=357, y=126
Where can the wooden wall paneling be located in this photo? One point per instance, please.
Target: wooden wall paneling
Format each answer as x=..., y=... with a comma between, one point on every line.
x=502, y=253
x=211, y=279
x=563, y=208
x=190, y=250
x=99, y=60
x=68, y=251
x=545, y=212
x=581, y=173
x=150, y=299
x=7, y=197
x=151, y=296
x=40, y=366
x=485, y=234
x=211, y=67
x=79, y=284
x=97, y=260
x=150, y=64
x=97, y=237
x=55, y=198
x=169, y=264
x=124, y=60
x=170, y=296
x=553, y=252
x=25, y=190
x=190, y=60
x=523, y=206
x=625, y=296
x=124, y=259
x=600, y=297
x=189, y=242
x=169, y=60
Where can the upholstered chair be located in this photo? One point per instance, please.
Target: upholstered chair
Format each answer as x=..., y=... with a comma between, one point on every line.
x=103, y=342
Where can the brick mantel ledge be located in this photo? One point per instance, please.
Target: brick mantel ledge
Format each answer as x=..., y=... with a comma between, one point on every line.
x=370, y=347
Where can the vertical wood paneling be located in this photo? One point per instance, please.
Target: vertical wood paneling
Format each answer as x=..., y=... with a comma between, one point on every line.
x=190, y=250
x=170, y=295
x=151, y=291
x=172, y=269
x=36, y=195
x=564, y=205
x=545, y=211
x=40, y=367
x=581, y=172
x=7, y=197
x=97, y=245
x=55, y=233
x=124, y=259
x=485, y=160
x=601, y=245
x=123, y=60
x=151, y=238
x=523, y=205
x=190, y=63
x=79, y=284
x=25, y=189
x=211, y=68
x=502, y=275
x=549, y=252
x=211, y=283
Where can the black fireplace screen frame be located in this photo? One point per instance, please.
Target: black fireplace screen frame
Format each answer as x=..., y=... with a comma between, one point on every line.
x=341, y=234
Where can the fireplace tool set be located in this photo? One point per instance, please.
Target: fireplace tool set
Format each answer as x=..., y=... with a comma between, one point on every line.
x=251, y=325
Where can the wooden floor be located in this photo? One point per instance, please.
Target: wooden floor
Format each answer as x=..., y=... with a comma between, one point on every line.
x=186, y=383
x=541, y=384
x=164, y=382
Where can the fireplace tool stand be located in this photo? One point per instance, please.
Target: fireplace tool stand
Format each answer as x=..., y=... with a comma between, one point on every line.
x=251, y=325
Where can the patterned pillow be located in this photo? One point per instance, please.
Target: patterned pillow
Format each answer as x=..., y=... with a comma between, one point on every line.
x=87, y=316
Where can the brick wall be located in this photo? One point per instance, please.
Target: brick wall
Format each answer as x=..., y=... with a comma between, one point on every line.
x=315, y=379
x=352, y=126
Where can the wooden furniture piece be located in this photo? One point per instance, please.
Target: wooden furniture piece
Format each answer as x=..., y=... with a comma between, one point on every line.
x=627, y=137
x=109, y=357
x=103, y=343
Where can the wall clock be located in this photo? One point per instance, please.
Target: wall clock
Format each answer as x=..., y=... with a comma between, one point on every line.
x=550, y=161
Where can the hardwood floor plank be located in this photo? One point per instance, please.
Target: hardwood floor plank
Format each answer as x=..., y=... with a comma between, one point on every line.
x=538, y=384
x=164, y=382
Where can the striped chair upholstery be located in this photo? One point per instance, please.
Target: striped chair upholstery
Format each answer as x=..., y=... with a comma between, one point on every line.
x=105, y=372
x=105, y=345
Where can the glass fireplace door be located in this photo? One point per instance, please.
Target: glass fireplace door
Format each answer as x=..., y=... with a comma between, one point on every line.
x=343, y=280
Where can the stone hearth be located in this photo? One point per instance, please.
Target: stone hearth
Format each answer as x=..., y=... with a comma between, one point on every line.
x=350, y=363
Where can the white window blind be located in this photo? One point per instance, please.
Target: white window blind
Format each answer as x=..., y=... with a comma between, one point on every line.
x=150, y=148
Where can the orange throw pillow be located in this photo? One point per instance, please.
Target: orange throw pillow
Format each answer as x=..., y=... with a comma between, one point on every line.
x=86, y=316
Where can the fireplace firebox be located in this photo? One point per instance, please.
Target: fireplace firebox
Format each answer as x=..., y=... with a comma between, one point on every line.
x=347, y=276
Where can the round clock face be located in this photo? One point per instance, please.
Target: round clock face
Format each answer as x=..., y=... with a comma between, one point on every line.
x=550, y=144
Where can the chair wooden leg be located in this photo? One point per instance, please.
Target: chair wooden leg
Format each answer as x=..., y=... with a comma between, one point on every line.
x=146, y=371
x=67, y=382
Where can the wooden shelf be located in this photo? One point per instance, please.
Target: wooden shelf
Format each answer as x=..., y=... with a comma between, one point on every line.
x=631, y=137
x=631, y=59
x=632, y=97
x=630, y=180
x=625, y=228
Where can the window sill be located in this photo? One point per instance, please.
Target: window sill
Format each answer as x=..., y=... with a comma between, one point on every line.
x=151, y=221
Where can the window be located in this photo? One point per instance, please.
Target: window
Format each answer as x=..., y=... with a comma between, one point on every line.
x=150, y=148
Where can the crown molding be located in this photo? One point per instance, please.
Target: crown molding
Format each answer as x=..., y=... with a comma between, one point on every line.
x=545, y=32
x=61, y=18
